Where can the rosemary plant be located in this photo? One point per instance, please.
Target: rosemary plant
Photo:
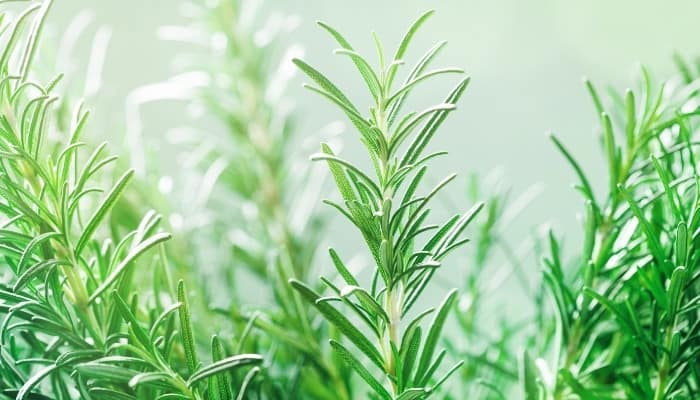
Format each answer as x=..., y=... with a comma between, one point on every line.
x=627, y=306
x=73, y=323
x=391, y=217
x=90, y=307
x=259, y=172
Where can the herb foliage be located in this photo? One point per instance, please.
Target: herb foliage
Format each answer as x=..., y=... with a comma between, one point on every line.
x=73, y=321
x=400, y=356
x=94, y=299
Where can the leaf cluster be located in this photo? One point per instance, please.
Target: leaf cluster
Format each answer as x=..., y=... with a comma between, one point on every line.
x=626, y=305
x=73, y=323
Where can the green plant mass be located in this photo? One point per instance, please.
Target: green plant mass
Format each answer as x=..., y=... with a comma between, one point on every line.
x=73, y=318
x=186, y=264
x=627, y=320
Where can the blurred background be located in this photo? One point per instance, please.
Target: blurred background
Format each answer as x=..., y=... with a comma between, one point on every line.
x=526, y=58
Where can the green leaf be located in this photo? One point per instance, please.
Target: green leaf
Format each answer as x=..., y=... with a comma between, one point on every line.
x=611, y=150
x=133, y=254
x=449, y=373
x=587, y=189
x=162, y=318
x=577, y=386
x=404, y=130
x=324, y=83
x=414, y=394
x=405, y=41
x=456, y=230
x=341, y=322
x=420, y=66
x=186, y=331
x=367, y=301
x=361, y=370
x=631, y=117
x=33, y=39
x=338, y=173
x=243, y=388
x=614, y=308
x=109, y=394
x=146, y=378
x=429, y=374
x=97, y=370
x=363, y=67
x=594, y=96
x=413, y=82
x=34, y=270
x=675, y=290
x=434, y=336
x=134, y=324
x=332, y=159
x=25, y=391
x=9, y=43
x=666, y=182
x=681, y=244
x=223, y=381
x=29, y=248
x=102, y=210
x=224, y=365
x=369, y=75
x=530, y=379
x=410, y=348
x=647, y=227
x=342, y=269
x=421, y=140
x=357, y=120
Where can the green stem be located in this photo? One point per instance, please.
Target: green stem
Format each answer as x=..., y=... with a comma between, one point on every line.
x=394, y=295
x=393, y=305
x=77, y=292
x=665, y=367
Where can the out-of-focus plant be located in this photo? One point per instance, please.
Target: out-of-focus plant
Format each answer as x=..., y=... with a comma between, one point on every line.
x=73, y=323
x=689, y=71
x=261, y=189
x=394, y=357
x=627, y=308
x=491, y=330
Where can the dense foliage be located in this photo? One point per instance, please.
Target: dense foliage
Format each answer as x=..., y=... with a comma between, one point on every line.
x=99, y=301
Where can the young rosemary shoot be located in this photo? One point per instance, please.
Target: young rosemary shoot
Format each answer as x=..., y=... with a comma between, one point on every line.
x=73, y=323
x=627, y=307
x=390, y=216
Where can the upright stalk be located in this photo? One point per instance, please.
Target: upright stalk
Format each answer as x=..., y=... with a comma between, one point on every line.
x=391, y=219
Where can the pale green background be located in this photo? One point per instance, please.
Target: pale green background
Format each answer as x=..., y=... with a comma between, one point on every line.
x=526, y=58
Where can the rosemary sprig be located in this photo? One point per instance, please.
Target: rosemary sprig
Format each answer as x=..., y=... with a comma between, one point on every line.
x=391, y=218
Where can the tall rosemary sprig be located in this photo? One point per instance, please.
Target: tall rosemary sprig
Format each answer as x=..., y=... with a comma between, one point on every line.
x=391, y=218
